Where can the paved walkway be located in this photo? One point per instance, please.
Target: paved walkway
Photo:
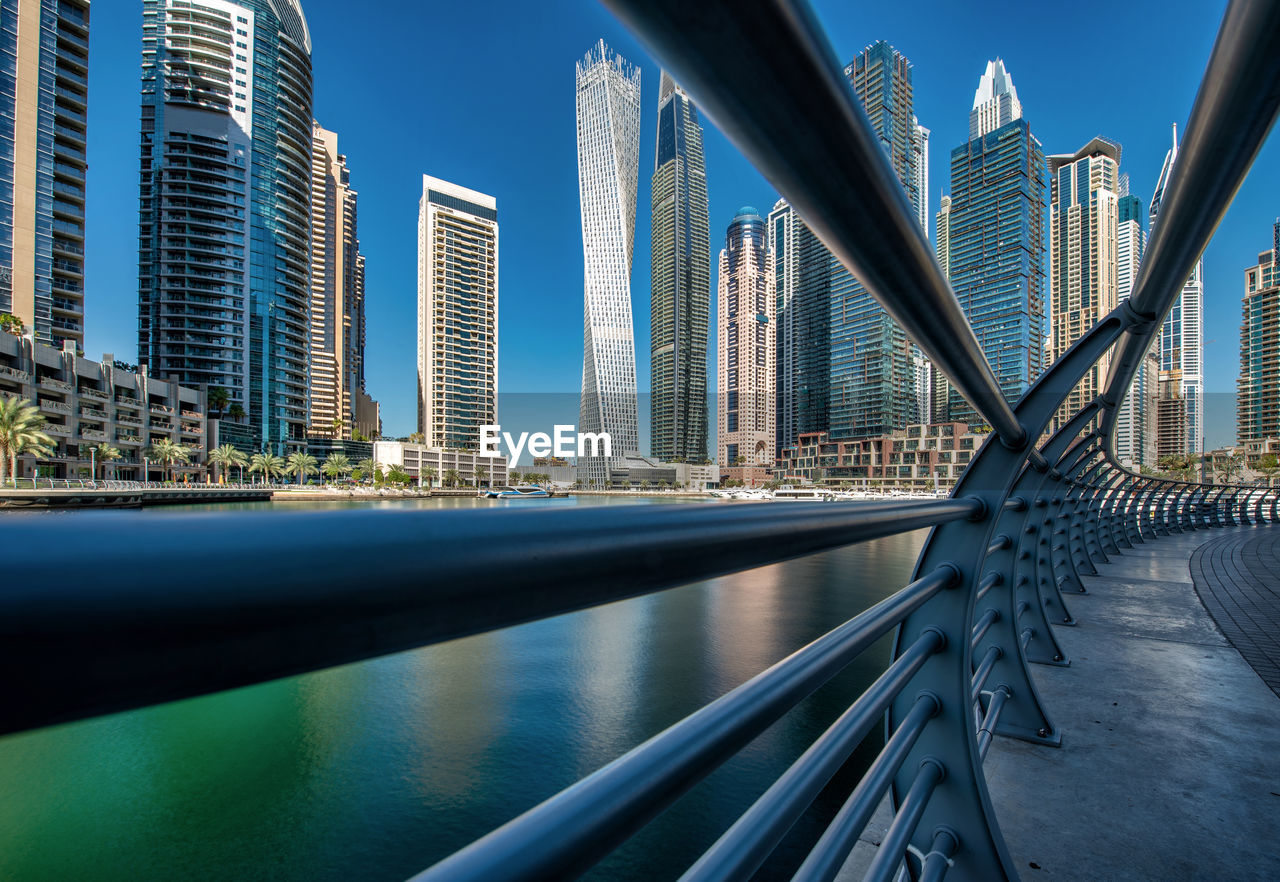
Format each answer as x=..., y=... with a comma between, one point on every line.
x=1238, y=580
x=1170, y=761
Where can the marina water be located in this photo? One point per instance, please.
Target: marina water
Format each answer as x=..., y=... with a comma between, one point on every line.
x=378, y=769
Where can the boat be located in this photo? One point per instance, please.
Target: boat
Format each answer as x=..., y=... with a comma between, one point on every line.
x=802, y=494
x=524, y=491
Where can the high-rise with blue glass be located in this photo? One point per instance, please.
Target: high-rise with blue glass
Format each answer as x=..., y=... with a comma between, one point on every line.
x=44, y=69
x=995, y=237
x=680, y=282
x=872, y=386
x=224, y=237
x=803, y=269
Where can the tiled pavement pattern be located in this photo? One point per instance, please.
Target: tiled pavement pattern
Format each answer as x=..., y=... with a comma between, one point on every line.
x=1238, y=580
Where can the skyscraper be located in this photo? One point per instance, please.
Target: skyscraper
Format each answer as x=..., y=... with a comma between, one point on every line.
x=1083, y=196
x=803, y=268
x=224, y=285
x=1182, y=345
x=338, y=407
x=920, y=171
x=608, y=122
x=1136, y=419
x=746, y=373
x=872, y=390
x=1258, y=398
x=44, y=69
x=457, y=314
x=680, y=282
x=995, y=243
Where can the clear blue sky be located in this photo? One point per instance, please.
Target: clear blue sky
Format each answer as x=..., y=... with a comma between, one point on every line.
x=482, y=94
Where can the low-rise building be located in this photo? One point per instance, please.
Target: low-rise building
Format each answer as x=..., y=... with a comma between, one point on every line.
x=86, y=403
x=430, y=466
x=913, y=458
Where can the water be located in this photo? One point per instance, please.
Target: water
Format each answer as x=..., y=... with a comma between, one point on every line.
x=377, y=770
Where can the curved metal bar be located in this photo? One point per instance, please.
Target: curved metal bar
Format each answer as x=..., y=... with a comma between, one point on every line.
x=1228, y=124
x=71, y=649
x=764, y=77
x=571, y=831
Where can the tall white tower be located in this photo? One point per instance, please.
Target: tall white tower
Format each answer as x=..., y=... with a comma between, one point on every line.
x=1182, y=342
x=995, y=103
x=608, y=169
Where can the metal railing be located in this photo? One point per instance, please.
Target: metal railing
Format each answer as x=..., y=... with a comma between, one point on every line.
x=1006, y=552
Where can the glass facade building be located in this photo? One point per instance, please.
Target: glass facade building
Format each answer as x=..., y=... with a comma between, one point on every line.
x=680, y=282
x=1136, y=419
x=746, y=346
x=1182, y=344
x=44, y=70
x=803, y=269
x=872, y=387
x=224, y=245
x=994, y=238
x=608, y=124
x=1258, y=389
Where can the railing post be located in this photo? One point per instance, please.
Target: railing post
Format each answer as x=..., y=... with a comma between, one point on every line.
x=1160, y=517
x=1257, y=511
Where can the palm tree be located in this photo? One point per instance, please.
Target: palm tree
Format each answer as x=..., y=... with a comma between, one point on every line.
x=268, y=464
x=366, y=467
x=105, y=453
x=169, y=454
x=1231, y=467
x=336, y=465
x=226, y=456
x=236, y=412
x=451, y=478
x=482, y=475
x=1268, y=467
x=21, y=428
x=301, y=464
x=428, y=474
x=218, y=399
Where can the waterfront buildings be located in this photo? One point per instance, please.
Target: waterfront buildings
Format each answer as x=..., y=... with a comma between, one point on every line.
x=803, y=269
x=1258, y=390
x=1182, y=346
x=339, y=407
x=915, y=457
x=1083, y=195
x=224, y=285
x=991, y=240
x=746, y=335
x=1136, y=421
x=872, y=376
x=680, y=282
x=608, y=125
x=457, y=314
x=86, y=403
x=44, y=50
x=433, y=466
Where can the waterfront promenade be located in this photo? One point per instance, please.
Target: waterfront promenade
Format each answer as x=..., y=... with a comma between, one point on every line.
x=1170, y=759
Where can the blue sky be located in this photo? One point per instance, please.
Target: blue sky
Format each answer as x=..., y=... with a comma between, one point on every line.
x=482, y=94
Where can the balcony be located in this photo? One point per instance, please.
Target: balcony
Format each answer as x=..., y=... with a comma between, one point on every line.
x=14, y=374
x=51, y=383
x=128, y=401
x=57, y=429
x=130, y=420
x=94, y=412
x=92, y=434
x=161, y=408
x=91, y=392
x=54, y=406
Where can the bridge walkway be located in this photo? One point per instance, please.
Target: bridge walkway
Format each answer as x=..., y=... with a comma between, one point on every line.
x=1170, y=761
